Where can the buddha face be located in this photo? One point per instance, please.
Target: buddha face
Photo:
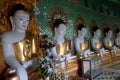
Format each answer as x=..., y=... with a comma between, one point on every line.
x=109, y=34
x=60, y=31
x=118, y=34
x=21, y=20
x=97, y=33
x=82, y=32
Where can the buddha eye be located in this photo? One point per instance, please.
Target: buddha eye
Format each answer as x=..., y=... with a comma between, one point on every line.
x=21, y=19
x=28, y=20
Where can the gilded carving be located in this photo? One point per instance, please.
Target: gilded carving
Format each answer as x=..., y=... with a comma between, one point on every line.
x=92, y=24
x=56, y=13
x=78, y=20
x=104, y=25
x=116, y=26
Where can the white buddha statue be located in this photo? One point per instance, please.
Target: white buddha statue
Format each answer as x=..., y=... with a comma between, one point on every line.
x=18, y=45
x=117, y=41
x=96, y=43
x=81, y=43
x=108, y=41
x=117, y=38
x=62, y=49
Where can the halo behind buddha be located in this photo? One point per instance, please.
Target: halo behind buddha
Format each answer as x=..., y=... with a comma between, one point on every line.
x=78, y=20
x=54, y=14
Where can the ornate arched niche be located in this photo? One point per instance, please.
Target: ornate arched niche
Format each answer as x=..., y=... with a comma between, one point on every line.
x=78, y=20
x=5, y=7
x=104, y=25
x=92, y=24
x=115, y=27
x=56, y=13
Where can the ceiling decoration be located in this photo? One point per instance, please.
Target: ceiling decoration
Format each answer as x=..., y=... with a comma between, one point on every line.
x=115, y=1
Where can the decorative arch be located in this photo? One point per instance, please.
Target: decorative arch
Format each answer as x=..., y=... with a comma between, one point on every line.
x=56, y=13
x=104, y=25
x=92, y=24
x=116, y=26
x=78, y=20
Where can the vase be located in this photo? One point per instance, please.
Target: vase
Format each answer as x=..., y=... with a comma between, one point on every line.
x=47, y=78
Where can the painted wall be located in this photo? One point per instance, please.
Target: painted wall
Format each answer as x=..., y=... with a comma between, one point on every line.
x=73, y=8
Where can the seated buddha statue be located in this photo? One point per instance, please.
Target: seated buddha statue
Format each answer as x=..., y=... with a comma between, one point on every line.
x=62, y=48
x=96, y=44
x=108, y=43
x=117, y=41
x=61, y=52
x=81, y=43
x=117, y=38
x=18, y=45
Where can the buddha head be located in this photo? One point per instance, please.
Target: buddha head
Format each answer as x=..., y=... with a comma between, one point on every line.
x=82, y=30
x=96, y=32
x=19, y=18
x=59, y=28
x=107, y=32
x=117, y=32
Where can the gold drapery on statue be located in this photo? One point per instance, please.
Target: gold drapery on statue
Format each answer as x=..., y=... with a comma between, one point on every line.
x=5, y=7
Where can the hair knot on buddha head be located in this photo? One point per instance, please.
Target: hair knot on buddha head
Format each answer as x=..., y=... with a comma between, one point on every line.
x=18, y=8
x=95, y=28
x=96, y=31
x=80, y=26
x=81, y=30
x=58, y=22
x=107, y=32
x=117, y=32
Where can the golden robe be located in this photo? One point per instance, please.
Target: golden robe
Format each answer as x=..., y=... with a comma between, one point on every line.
x=24, y=51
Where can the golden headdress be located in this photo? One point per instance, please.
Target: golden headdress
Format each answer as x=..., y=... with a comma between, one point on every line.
x=78, y=20
x=56, y=13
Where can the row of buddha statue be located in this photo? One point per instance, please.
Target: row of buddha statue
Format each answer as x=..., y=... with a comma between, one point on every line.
x=83, y=47
x=19, y=45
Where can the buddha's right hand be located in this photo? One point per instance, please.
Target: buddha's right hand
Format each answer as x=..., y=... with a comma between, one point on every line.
x=62, y=58
x=22, y=73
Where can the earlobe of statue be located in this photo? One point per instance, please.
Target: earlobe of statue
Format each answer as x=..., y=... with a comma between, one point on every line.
x=12, y=24
x=93, y=33
x=55, y=29
x=105, y=34
x=78, y=31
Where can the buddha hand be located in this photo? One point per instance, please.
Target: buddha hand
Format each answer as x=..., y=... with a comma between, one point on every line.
x=22, y=73
x=86, y=52
x=114, y=49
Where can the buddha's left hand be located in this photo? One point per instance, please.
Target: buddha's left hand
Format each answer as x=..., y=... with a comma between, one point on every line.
x=26, y=64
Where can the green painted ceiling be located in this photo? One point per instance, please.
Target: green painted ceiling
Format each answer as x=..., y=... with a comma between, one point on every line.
x=116, y=1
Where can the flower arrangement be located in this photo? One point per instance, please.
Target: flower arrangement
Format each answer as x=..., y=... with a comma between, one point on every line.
x=46, y=66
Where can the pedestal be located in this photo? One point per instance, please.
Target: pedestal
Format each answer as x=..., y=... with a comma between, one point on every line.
x=92, y=67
